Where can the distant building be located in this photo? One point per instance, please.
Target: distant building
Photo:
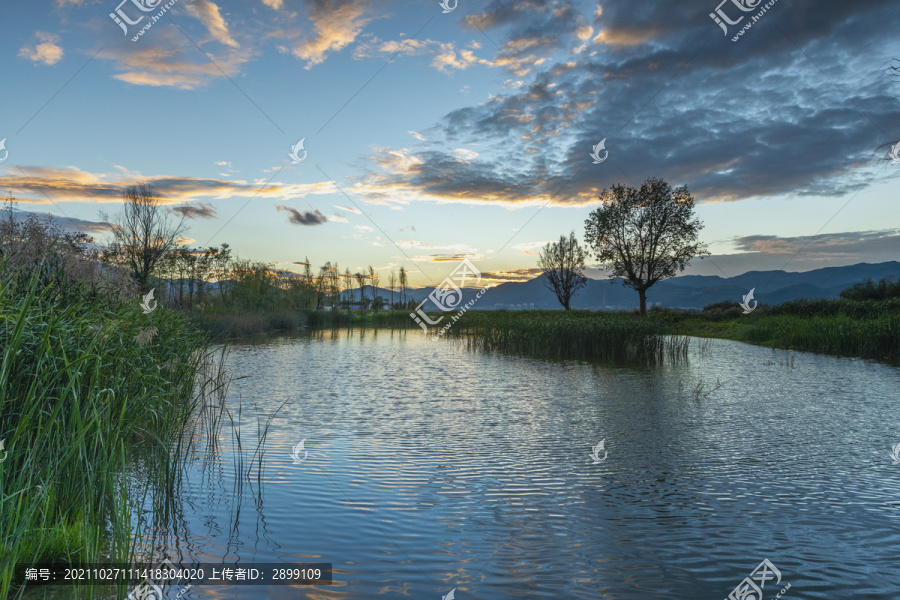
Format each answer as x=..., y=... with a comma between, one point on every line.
x=523, y=306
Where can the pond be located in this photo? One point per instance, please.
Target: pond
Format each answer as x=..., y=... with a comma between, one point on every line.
x=433, y=469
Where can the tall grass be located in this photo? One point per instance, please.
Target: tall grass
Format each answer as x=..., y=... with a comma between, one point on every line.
x=857, y=309
x=844, y=327
x=82, y=392
x=876, y=338
x=618, y=338
x=229, y=325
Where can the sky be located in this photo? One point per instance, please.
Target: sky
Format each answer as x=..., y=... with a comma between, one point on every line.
x=436, y=132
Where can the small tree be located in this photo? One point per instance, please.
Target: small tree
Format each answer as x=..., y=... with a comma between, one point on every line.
x=361, y=282
x=563, y=265
x=645, y=234
x=322, y=285
x=403, y=283
x=334, y=278
x=220, y=262
x=392, y=283
x=308, y=276
x=348, y=286
x=374, y=278
x=143, y=234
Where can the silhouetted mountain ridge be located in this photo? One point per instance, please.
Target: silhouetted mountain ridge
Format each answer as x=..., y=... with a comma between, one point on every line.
x=689, y=291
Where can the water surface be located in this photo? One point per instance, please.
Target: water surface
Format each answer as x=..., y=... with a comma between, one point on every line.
x=432, y=468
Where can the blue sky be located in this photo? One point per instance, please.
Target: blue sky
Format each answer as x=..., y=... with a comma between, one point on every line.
x=435, y=136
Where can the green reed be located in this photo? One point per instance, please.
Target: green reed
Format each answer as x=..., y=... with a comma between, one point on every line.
x=607, y=337
x=228, y=325
x=84, y=390
x=876, y=338
x=856, y=309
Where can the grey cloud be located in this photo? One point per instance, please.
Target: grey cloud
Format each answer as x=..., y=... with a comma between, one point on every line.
x=731, y=120
x=196, y=211
x=297, y=217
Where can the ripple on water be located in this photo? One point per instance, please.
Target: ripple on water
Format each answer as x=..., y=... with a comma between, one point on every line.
x=432, y=468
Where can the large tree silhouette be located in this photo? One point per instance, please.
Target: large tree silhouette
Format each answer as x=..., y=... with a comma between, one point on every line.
x=143, y=234
x=563, y=265
x=645, y=234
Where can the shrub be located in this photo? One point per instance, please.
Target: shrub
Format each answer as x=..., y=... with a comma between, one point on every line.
x=868, y=290
x=66, y=265
x=721, y=311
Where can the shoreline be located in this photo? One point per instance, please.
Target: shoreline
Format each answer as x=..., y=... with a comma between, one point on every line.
x=876, y=338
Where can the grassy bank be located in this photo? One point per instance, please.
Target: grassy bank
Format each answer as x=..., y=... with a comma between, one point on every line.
x=228, y=325
x=618, y=338
x=84, y=388
x=541, y=334
x=864, y=329
x=858, y=328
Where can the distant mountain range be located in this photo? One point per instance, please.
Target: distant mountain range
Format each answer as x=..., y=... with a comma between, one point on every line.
x=689, y=291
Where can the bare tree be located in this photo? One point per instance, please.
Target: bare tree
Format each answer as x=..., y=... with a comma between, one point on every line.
x=392, y=283
x=143, y=234
x=221, y=260
x=322, y=285
x=348, y=285
x=308, y=276
x=374, y=278
x=645, y=234
x=361, y=282
x=334, y=277
x=403, y=283
x=563, y=265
